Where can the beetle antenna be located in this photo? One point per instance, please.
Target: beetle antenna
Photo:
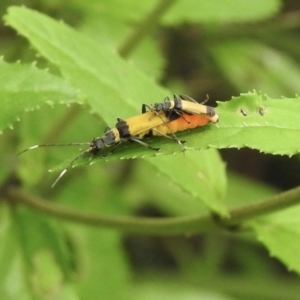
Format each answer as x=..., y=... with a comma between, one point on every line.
x=64, y=171
x=58, y=145
x=53, y=145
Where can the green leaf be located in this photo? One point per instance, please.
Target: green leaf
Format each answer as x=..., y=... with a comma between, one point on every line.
x=67, y=292
x=147, y=56
x=46, y=277
x=112, y=85
x=251, y=120
x=106, y=270
x=280, y=233
x=237, y=185
x=96, y=71
x=99, y=260
x=157, y=288
x=221, y=11
x=24, y=87
x=13, y=284
x=148, y=181
x=201, y=174
x=49, y=242
x=256, y=121
x=28, y=271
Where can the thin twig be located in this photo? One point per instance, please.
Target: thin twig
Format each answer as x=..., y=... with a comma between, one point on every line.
x=145, y=27
x=158, y=226
x=152, y=226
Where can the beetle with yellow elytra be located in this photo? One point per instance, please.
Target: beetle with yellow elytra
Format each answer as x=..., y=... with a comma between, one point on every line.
x=130, y=130
x=163, y=119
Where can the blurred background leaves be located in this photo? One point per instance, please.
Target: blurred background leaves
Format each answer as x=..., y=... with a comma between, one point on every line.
x=219, y=48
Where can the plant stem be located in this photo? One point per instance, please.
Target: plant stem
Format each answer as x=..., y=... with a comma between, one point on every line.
x=151, y=226
x=143, y=28
x=273, y=204
x=158, y=226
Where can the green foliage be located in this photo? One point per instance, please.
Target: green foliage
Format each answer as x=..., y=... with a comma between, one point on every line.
x=42, y=258
x=91, y=67
x=244, y=61
x=279, y=233
x=228, y=11
x=25, y=88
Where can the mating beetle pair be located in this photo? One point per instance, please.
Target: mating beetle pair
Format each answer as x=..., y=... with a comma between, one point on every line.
x=161, y=119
